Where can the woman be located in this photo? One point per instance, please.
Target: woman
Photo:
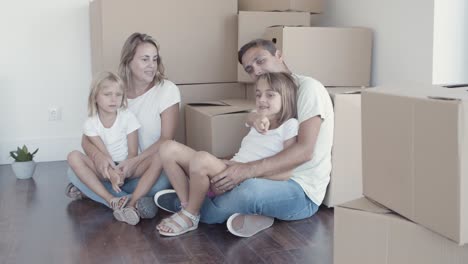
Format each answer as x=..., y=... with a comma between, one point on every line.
x=155, y=102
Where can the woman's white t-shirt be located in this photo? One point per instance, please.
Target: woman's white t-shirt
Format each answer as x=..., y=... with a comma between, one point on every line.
x=148, y=108
x=115, y=137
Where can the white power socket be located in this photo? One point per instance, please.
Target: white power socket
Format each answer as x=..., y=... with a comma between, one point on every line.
x=55, y=113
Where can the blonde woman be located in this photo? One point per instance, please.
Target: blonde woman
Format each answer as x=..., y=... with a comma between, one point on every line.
x=155, y=102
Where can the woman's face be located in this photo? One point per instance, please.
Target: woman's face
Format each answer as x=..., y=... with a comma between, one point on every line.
x=144, y=64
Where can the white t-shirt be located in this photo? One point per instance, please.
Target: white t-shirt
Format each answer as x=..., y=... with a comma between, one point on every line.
x=256, y=146
x=115, y=137
x=314, y=175
x=148, y=108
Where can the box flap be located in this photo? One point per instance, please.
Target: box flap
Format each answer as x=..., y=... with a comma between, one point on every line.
x=222, y=107
x=426, y=92
x=365, y=204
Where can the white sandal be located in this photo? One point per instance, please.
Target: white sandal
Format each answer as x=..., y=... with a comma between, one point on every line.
x=251, y=226
x=178, y=225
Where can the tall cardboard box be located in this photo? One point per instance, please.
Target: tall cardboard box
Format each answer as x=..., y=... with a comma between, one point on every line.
x=197, y=38
x=415, y=154
x=334, y=56
x=367, y=233
x=252, y=25
x=217, y=127
x=194, y=93
x=346, y=175
x=312, y=6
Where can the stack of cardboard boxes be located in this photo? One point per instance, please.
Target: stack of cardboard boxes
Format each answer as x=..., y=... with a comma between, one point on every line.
x=415, y=164
x=198, y=49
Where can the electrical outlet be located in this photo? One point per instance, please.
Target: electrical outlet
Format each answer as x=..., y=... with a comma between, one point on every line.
x=55, y=113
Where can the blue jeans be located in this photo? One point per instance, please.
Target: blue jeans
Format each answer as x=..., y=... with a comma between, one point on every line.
x=128, y=187
x=284, y=200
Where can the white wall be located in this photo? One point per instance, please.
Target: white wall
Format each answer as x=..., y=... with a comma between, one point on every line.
x=450, y=42
x=45, y=61
x=403, y=35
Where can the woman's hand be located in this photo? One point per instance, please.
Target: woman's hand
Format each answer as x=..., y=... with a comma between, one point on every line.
x=128, y=167
x=102, y=164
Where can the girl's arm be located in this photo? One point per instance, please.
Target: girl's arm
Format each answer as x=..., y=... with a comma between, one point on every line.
x=169, y=119
x=97, y=141
x=283, y=176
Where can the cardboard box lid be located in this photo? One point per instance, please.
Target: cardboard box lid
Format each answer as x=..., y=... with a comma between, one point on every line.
x=426, y=92
x=222, y=107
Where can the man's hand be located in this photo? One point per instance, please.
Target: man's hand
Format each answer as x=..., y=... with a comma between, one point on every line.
x=128, y=167
x=232, y=176
x=102, y=164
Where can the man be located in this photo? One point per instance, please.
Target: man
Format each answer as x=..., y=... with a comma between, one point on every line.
x=251, y=201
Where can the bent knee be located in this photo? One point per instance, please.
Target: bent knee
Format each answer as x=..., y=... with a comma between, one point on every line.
x=200, y=161
x=74, y=157
x=169, y=149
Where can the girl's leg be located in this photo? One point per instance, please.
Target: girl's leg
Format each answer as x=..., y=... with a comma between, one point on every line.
x=148, y=173
x=203, y=166
x=84, y=169
x=175, y=158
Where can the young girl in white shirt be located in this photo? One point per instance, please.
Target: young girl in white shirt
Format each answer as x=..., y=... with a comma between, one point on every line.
x=190, y=172
x=113, y=130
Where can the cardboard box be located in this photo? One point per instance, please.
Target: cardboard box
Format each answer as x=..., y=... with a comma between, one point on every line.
x=415, y=155
x=312, y=6
x=197, y=38
x=346, y=176
x=334, y=56
x=217, y=127
x=252, y=25
x=367, y=233
x=195, y=93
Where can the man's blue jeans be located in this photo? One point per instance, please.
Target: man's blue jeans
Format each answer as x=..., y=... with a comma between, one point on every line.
x=284, y=200
x=128, y=187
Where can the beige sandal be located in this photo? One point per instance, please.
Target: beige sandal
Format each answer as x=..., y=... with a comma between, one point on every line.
x=118, y=203
x=128, y=215
x=178, y=225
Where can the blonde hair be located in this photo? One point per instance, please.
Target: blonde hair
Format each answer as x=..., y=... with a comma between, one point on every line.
x=284, y=84
x=97, y=86
x=128, y=52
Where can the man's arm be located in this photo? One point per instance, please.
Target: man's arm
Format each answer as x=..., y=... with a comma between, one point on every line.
x=288, y=159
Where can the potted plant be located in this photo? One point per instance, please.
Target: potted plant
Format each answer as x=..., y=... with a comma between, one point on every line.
x=24, y=165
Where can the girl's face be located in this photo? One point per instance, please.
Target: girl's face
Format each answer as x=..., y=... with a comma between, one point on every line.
x=268, y=101
x=144, y=64
x=109, y=98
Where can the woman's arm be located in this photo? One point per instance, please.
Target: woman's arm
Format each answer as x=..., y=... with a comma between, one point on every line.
x=169, y=119
x=132, y=143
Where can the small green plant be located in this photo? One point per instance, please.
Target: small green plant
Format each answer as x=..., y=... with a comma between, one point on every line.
x=22, y=154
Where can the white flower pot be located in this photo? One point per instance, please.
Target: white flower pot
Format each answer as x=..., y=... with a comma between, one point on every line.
x=23, y=170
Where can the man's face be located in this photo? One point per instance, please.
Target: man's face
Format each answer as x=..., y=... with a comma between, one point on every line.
x=257, y=61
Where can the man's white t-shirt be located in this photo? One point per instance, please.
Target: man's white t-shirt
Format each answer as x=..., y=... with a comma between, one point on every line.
x=148, y=108
x=314, y=175
x=115, y=137
x=256, y=146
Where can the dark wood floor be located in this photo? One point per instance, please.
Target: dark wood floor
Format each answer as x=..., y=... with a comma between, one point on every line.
x=38, y=224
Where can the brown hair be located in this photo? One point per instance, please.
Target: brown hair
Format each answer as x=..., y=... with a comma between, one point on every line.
x=262, y=43
x=97, y=86
x=128, y=52
x=284, y=84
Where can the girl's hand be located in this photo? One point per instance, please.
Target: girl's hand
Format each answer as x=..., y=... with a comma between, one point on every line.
x=128, y=167
x=115, y=180
x=261, y=124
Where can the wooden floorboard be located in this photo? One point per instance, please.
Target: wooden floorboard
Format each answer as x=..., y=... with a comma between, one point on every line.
x=39, y=224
